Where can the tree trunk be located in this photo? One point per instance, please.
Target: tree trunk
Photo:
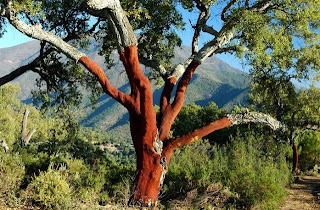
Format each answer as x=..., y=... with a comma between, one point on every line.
x=148, y=181
x=150, y=165
x=295, y=162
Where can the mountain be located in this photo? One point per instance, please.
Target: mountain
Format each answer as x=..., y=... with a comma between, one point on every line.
x=214, y=81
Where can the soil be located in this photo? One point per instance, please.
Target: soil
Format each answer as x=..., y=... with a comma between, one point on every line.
x=304, y=194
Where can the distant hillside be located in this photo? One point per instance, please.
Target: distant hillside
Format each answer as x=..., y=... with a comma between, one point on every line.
x=214, y=81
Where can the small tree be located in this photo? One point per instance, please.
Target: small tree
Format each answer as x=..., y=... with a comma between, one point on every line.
x=258, y=30
x=299, y=110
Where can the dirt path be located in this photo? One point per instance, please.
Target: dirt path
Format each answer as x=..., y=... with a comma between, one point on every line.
x=304, y=194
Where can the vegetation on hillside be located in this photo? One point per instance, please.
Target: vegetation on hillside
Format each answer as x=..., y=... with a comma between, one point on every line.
x=62, y=168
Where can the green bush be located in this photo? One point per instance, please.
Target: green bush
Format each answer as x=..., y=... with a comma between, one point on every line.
x=12, y=172
x=50, y=189
x=189, y=169
x=260, y=180
x=309, y=145
x=257, y=174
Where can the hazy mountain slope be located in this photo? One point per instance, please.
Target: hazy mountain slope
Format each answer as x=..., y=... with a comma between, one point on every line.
x=214, y=81
x=14, y=57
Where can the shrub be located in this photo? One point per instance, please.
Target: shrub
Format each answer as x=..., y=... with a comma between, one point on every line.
x=258, y=175
x=309, y=145
x=258, y=178
x=189, y=169
x=50, y=189
x=11, y=175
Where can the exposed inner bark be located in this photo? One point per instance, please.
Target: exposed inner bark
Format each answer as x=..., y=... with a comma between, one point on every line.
x=295, y=162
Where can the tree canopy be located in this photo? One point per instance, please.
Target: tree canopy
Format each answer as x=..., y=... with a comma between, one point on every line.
x=277, y=35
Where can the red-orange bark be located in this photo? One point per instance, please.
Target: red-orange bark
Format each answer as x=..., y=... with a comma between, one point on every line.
x=295, y=162
x=143, y=131
x=190, y=137
x=169, y=112
x=152, y=159
x=108, y=88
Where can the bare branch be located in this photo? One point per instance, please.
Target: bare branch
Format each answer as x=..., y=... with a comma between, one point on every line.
x=225, y=10
x=25, y=139
x=202, y=19
x=210, y=30
x=16, y=73
x=4, y=145
x=256, y=118
x=262, y=6
x=38, y=60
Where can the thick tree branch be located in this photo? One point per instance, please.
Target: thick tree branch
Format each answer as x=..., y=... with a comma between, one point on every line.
x=166, y=93
x=210, y=30
x=129, y=56
x=202, y=19
x=25, y=139
x=169, y=112
x=16, y=73
x=229, y=120
x=4, y=145
x=36, y=31
x=108, y=88
x=38, y=60
x=112, y=9
x=182, y=85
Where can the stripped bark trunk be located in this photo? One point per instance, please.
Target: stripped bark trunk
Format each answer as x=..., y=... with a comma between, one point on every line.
x=295, y=162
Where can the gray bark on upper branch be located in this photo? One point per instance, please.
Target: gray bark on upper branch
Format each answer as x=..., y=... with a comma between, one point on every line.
x=223, y=37
x=112, y=9
x=36, y=32
x=257, y=118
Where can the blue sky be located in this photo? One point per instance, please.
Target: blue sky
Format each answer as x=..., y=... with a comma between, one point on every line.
x=12, y=37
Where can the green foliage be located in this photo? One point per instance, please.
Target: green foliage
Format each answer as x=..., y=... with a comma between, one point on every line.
x=61, y=167
x=50, y=189
x=274, y=95
x=250, y=166
x=9, y=109
x=309, y=145
x=189, y=168
x=309, y=103
x=259, y=178
x=12, y=172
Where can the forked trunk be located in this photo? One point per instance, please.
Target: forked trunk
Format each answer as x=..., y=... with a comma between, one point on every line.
x=295, y=162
